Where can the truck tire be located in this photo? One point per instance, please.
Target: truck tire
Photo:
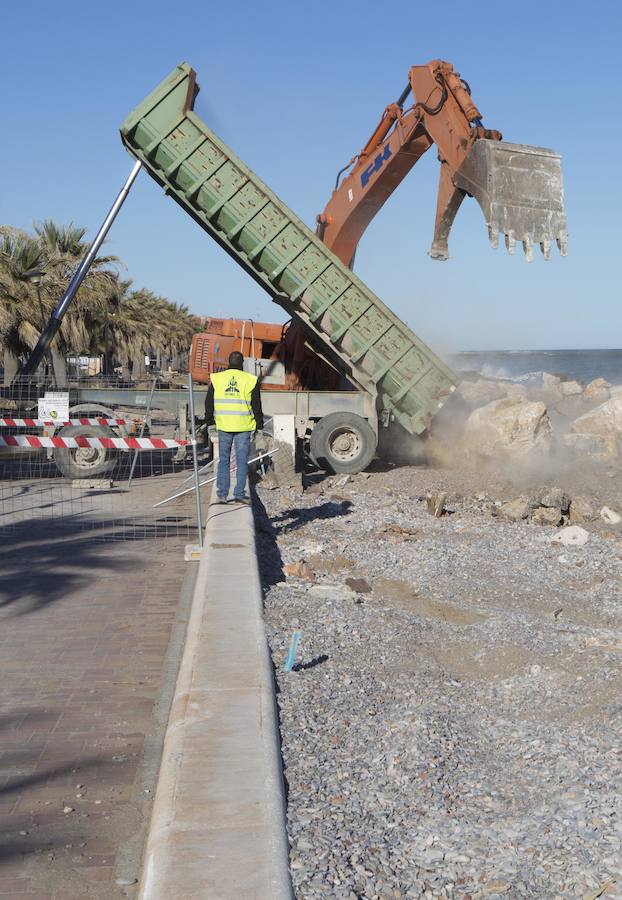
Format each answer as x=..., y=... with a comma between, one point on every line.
x=342, y=443
x=85, y=463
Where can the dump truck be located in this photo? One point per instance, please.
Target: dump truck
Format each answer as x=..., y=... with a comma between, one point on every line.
x=386, y=374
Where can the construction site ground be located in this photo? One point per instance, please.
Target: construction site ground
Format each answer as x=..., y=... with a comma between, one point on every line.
x=452, y=726
x=93, y=608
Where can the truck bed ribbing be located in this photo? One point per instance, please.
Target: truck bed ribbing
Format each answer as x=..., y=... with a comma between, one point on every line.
x=380, y=353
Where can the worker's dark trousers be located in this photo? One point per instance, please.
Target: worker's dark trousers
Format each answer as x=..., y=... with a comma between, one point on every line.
x=241, y=441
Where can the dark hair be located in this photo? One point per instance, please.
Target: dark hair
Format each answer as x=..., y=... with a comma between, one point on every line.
x=236, y=360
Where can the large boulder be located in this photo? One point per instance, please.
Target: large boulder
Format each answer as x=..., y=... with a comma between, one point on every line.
x=597, y=391
x=515, y=510
x=598, y=432
x=581, y=510
x=508, y=427
x=570, y=388
x=571, y=406
x=485, y=390
x=546, y=515
x=481, y=392
x=551, y=387
x=516, y=391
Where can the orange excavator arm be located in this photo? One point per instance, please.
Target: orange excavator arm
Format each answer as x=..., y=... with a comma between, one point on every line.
x=519, y=188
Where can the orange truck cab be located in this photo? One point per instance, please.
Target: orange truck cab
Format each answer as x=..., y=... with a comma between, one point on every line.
x=278, y=354
x=211, y=348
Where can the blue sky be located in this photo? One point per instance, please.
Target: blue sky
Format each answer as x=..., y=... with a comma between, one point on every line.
x=295, y=89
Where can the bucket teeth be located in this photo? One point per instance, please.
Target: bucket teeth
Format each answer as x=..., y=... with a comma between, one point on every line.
x=528, y=243
x=510, y=242
x=528, y=248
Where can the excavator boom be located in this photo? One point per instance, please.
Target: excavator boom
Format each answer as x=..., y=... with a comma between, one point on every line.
x=518, y=187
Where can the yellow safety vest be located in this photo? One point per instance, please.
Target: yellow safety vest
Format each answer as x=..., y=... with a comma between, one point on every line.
x=232, y=400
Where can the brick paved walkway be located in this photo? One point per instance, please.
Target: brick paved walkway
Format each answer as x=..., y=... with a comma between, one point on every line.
x=85, y=628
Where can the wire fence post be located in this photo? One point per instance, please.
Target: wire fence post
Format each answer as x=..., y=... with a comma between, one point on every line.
x=142, y=432
x=195, y=464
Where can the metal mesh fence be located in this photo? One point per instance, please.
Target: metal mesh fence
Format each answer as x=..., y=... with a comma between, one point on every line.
x=110, y=491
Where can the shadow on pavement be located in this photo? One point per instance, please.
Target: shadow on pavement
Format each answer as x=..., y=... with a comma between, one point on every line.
x=41, y=561
x=27, y=832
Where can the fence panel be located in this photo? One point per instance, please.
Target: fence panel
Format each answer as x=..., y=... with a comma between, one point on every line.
x=93, y=477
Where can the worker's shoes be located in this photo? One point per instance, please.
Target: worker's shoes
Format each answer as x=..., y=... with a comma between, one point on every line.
x=245, y=499
x=220, y=499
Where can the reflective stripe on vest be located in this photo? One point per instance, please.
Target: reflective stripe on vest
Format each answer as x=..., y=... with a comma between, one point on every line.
x=232, y=400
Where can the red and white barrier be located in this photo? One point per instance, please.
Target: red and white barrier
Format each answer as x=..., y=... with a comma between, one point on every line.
x=44, y=423
x=82, y=442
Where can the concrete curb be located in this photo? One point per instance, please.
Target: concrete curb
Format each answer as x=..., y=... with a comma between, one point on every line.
x=218, y=828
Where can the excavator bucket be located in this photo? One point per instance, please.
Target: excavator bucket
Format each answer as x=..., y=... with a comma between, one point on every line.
x=520, y=191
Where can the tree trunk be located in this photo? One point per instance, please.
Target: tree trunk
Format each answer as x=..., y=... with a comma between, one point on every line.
x=138, y=367
x=59, y=368
x=11, y=366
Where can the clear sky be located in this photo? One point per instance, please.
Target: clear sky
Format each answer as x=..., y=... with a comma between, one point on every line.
x=295, y=89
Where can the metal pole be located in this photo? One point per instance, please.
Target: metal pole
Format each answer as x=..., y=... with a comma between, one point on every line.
x=211, y=480
x=197, y=487
x=48, y=335
x=202, y=469
x=142, y=431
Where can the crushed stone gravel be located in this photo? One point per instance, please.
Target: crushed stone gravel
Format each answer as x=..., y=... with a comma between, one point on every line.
x=455, y=730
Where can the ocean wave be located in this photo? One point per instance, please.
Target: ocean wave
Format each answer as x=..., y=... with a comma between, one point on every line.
x=502, y=374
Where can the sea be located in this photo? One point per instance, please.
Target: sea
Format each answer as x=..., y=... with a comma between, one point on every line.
x=528, y=366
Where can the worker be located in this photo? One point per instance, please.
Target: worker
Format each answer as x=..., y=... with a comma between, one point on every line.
x=233, y=403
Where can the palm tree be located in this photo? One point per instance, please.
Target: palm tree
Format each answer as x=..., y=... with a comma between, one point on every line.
x=50, y=259
x=21, y=263
x=107, y=317
x=142, y=323
x=63, y=248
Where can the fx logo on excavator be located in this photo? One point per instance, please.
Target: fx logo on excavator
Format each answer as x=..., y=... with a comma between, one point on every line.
x=375, y=166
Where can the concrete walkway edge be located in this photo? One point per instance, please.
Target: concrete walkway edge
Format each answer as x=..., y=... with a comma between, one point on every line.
x=218, y=827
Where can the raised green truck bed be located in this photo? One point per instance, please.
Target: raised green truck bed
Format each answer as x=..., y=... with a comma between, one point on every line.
x=377, y=351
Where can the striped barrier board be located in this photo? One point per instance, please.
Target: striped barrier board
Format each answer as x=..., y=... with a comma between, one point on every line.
x=42, y=423
x=80, y=442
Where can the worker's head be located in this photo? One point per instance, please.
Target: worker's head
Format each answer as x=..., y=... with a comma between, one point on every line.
x=236, y=360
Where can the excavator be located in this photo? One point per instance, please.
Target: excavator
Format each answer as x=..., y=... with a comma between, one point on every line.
x=518, y=188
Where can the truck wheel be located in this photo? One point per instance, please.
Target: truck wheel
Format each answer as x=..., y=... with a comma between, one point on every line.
x=342, y=443
x=87, y=462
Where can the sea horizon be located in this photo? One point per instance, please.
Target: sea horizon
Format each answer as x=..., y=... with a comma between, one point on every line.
x=583, y=364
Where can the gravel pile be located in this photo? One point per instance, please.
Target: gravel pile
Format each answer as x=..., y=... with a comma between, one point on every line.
x=453, y=725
